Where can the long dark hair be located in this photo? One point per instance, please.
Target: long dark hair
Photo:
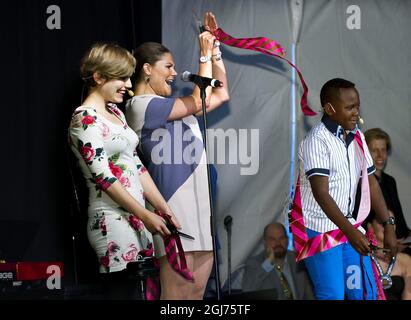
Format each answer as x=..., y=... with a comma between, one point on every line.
x=148, y=52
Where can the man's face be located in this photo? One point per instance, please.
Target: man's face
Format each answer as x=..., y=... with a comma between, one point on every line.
x=346, y=108
x=277, y=240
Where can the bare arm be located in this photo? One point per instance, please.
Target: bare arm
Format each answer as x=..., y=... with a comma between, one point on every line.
x=218, y=95
x=184, y=106
x=319, y=186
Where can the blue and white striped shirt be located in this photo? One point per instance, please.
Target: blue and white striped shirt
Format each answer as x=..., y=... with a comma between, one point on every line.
x=325, y=152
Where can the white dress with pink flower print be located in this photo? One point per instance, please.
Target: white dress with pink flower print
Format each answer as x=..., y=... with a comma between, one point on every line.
x=106, y=153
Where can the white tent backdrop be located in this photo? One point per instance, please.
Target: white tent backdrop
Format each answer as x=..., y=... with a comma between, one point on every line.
x=375, y=57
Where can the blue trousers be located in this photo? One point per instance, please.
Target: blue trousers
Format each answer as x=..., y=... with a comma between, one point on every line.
x=337, y=273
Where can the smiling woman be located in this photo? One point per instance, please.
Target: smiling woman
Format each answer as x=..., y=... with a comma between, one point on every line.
x=118, y=222
x=182, y=183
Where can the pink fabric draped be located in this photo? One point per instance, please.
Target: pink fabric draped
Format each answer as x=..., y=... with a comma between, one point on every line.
x=307, y=247
x=268, y=47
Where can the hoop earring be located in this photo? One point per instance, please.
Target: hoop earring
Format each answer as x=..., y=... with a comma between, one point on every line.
x=146, y=80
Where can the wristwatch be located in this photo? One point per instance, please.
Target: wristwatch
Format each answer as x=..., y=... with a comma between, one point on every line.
x=204, y=59
x=390, y=220
x=217, y=56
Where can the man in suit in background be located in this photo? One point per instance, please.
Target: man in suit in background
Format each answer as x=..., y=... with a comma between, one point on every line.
x=275, y=268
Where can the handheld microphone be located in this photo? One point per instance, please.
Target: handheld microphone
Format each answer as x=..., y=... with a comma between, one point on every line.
x=201, y=81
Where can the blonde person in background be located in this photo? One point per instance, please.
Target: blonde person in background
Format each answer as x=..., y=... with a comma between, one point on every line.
x=379, y=144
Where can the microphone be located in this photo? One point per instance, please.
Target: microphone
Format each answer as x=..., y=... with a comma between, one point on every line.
x=228, y=220
x=201, y=81
x=361, y=120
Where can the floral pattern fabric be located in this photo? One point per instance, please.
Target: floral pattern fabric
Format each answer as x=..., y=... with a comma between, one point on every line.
x=106, y=153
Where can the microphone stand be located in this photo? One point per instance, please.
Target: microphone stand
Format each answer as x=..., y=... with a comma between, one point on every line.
x=212, y=223
x=228, y=220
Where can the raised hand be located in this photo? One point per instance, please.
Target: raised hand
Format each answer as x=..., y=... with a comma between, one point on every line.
x=206, y=40
x=210, y=22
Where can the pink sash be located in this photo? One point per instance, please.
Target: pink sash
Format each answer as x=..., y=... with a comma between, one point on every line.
x=307, y=247
x=268, y=47
x=177, y=259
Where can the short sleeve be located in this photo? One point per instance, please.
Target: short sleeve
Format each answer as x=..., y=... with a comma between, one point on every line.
x=157, y=113
x=368, y=158
x=315, y=156
x=87, y=140
x=148, y=113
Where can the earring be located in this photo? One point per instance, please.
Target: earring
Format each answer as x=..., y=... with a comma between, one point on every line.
x=146, y=79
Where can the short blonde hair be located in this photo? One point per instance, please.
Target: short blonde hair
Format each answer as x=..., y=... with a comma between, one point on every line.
x=377, y=134
x=109, y=60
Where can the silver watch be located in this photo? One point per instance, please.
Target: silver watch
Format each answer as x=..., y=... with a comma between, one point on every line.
x=217, y=56
x=390, y=220
x=204, y=59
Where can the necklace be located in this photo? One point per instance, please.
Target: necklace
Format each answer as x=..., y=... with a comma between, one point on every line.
x=385, y=278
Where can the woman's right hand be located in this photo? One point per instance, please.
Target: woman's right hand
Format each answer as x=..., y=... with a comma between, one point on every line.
x=206, y=41
x=172, y=217
x=155, y=224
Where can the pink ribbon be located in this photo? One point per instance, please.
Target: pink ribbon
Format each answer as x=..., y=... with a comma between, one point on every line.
x=153, y=285
x=170, y=243
x=268, y=47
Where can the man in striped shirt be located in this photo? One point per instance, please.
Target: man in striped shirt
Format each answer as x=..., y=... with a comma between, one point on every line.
x=330, y=171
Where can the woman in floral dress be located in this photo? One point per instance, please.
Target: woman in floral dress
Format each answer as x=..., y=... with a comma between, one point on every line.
x=117, y=181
